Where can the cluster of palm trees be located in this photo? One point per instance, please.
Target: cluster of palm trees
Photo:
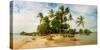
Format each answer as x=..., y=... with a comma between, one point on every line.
x=58, y=22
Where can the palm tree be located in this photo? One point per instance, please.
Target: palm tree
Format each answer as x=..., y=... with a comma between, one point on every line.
x=64, y=12
x=51, y=13
x=80, y=21
x=67, y=10
x=46, y=19
x=41, y=16
x=63, y=17
x=70, y=17
x=61, y=9
x=66, y=19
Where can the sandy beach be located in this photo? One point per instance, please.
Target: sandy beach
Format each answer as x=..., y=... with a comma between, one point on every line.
x=40, y=42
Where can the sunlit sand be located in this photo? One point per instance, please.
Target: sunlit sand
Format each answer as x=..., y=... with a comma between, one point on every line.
x=40, y=42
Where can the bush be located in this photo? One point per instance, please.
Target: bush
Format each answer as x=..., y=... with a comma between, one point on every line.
x=87, y=32
x=22, y=33
x=81, y=31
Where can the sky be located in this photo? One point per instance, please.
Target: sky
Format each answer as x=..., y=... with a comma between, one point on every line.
x=25, y=14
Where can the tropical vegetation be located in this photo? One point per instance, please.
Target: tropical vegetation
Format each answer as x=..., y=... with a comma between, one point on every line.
x=58, y=22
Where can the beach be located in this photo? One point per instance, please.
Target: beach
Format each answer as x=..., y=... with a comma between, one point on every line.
x=40, y=42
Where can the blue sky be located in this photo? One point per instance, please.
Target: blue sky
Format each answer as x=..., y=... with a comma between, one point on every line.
x=25, y=14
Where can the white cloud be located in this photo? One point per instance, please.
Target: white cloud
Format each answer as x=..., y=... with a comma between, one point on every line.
x=27, y=19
